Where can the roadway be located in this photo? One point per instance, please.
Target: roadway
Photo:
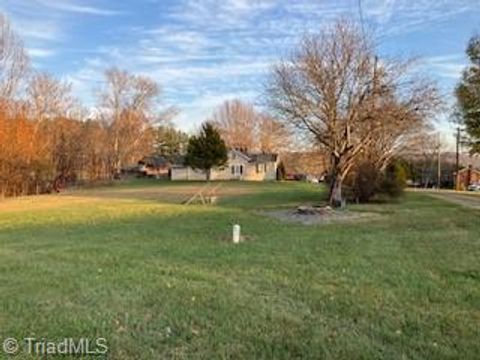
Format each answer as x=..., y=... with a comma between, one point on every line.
x=464, y=198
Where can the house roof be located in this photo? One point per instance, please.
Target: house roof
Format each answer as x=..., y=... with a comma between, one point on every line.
x=179, y=160
x=255, y=157
x=233, y=153
x=469, y=169
x=262, y=157
x=154, y=161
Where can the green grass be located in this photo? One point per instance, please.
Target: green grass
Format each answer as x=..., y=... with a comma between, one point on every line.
x=158, y=280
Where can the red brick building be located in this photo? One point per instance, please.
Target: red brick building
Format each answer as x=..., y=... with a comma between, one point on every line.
x=466, y=177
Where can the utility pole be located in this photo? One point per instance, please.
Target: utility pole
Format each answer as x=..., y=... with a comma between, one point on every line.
x=360, y=10
x=439, y=168
x=457, y=157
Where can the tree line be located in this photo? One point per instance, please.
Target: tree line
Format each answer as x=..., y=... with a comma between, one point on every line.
x=49, y=140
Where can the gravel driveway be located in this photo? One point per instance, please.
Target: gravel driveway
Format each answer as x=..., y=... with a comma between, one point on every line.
x=471, y=200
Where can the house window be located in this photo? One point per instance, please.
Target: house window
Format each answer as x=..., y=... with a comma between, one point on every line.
x=232, y=168
x=265, y=167
x=257, y=166
x=241, y=169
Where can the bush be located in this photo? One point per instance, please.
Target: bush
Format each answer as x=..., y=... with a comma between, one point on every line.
x=394, y=180
x=367, y=183
x=281, y=173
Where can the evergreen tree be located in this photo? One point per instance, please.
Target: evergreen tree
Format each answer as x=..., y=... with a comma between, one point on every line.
x=170, y=141
x=207, y=150
x=468, y=95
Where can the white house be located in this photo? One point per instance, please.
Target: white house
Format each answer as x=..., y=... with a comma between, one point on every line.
x=240, y=166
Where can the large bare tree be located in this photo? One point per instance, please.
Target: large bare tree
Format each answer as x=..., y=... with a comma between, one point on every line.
x=335, y=89
x=129, y=104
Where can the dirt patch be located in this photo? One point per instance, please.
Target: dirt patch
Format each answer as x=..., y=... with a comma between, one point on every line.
x=174, y=194
x=41, y=202
x=319, y=216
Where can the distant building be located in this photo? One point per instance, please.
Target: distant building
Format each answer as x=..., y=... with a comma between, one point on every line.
x=240, y=166
x=466, y=177
x=423, y=168
x=154, y=166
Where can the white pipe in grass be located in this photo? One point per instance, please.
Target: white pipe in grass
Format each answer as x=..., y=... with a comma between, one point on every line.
x=236, y=234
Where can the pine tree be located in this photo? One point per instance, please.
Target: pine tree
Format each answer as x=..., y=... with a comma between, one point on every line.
x=468, y=95
x=207, y=150
x=169, y=141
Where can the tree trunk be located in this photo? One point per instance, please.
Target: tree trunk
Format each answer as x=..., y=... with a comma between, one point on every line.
x=335, y=198
x=208, y=173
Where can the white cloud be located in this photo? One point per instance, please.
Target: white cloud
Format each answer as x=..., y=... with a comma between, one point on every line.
x=202, y=107
x=76, y=8
x=220, y=14
x=445, y=66
x=206, y=51
x=381, y=10
x=394, y=17
x=213, y=50
x=41, y=53
x=37, y=30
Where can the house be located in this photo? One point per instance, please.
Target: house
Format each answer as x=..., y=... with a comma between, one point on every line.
x=240, y=166
x=466, y=177
x=154, y=166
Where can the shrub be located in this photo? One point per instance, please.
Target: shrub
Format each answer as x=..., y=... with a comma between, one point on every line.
x=281, y=172
x=394, y=180
x=367, y=182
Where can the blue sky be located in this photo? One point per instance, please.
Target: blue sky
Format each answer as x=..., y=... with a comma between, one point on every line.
x=206, y=51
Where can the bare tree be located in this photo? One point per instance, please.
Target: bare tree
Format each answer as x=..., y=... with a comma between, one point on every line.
x=49, y=97
x=237, y=122
x=403, y=122
x=335, y=89
x=129, y=103
x=273, y=135
x=14, y=62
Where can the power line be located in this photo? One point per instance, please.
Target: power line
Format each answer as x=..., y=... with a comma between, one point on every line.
x=360, y=11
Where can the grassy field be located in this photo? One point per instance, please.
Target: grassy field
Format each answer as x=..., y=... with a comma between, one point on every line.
x=159, y=280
